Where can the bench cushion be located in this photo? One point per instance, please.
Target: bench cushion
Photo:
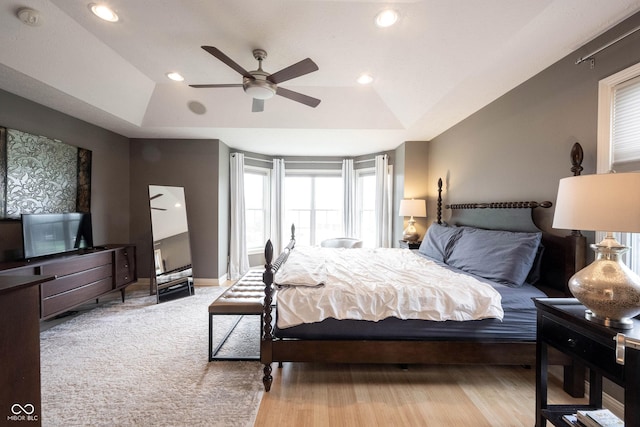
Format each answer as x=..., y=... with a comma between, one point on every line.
x=246, y=296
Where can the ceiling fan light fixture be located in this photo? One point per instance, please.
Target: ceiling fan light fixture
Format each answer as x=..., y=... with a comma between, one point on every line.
x=104, y=12
x=259, y=89
x=386, y=18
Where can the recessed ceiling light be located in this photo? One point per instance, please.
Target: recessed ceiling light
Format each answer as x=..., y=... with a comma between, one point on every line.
x=365, y=79
x=176, y=77
x=104, y=12
x=386, y=18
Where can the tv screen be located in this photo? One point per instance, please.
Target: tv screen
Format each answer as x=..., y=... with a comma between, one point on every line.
x=49, y=234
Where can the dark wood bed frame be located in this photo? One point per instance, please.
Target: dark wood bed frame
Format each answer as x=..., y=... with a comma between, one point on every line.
x=563, y=256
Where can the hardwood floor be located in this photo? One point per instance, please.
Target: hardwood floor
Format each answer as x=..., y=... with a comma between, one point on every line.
x=378, y=395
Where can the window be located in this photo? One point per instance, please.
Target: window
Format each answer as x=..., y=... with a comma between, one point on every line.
x=256, y=205
x=366, y=206
x=313, y=202
x=619, y=138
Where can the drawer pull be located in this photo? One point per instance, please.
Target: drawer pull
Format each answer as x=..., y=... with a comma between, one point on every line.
x=571, y=342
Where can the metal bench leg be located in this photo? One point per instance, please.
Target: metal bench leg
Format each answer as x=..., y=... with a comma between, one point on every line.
x=210, y=337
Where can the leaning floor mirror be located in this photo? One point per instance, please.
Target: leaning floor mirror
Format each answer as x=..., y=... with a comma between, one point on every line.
x=171, y=245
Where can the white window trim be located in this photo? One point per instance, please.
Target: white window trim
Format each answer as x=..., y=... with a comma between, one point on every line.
x=359, y=174
x=606, y=88
x=312, y=173
x=267, y=200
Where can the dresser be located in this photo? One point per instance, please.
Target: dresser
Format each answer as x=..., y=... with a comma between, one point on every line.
x=78, y=277
x=20, y=396
x=606, y=352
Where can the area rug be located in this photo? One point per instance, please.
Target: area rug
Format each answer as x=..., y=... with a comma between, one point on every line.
x=146, y=364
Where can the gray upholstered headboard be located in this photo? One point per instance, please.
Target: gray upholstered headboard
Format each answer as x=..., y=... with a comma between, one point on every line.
x=492, y=218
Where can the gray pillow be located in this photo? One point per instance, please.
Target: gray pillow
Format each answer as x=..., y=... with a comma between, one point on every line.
x=502, y=256
x=438, y=241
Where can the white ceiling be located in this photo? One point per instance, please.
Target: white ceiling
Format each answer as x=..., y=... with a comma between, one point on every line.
x=441, y=62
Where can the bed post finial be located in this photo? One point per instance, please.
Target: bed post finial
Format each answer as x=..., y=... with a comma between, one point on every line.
x=268, y=252
x=439, y=200
x=577, y=155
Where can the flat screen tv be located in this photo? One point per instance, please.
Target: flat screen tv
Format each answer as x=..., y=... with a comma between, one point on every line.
x=55, y=233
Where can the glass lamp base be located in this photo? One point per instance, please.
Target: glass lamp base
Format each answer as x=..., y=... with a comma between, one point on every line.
x=410, y=234
x=608, y=289
x=623, y=323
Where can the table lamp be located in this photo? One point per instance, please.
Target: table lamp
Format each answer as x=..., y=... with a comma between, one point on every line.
x=412, y=208
x=605, y=202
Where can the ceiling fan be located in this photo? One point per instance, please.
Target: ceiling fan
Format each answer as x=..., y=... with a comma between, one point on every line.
x=261, y=85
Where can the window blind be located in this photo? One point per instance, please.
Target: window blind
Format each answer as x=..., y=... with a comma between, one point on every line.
x=625, y=133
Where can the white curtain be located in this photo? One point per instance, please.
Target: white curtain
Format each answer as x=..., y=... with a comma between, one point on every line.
x=383, y=201
x=349, y=192
x=278, y=235
x=238, y=256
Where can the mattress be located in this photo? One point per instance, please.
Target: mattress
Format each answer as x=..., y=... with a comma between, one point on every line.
x=518, y=323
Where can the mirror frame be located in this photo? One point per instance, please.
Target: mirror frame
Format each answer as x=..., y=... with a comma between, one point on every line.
x=176, y=276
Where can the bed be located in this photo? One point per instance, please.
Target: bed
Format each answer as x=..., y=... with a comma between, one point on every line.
x=509, y=340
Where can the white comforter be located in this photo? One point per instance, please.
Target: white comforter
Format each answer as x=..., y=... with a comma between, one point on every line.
x=373, y=284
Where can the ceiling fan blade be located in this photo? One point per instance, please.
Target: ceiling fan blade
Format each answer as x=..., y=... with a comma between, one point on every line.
x=214, y=85
x=155, y=197
x=257, y=106
x=224, y=58
x=296, y=96
x=298, y=69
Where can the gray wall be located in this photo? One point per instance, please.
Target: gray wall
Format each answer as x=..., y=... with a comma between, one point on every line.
x=109, y=169
x=517, y=148
x=200, y=167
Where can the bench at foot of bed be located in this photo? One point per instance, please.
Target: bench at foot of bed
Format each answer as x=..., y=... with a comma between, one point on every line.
x=244, y=298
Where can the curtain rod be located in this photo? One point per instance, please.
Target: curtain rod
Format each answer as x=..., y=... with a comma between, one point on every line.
x=327, y=161
x=611, y=43
x=308, y=161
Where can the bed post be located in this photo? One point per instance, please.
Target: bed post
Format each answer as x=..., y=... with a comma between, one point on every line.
x=576, y=260
x=439, y=200
x=266, y=355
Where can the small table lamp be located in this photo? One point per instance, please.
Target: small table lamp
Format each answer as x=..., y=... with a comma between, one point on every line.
x=611, y=203
x=412, y=208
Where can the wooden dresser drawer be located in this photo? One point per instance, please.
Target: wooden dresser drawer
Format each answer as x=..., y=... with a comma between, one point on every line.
x=76, y=280
x=80, y=263
x=125, y=266
x=62, y=302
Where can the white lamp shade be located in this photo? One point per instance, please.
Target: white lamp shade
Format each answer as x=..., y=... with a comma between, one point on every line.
x=413, y=208
x=604, y=202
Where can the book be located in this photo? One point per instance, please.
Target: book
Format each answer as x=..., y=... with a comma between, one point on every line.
x=599, y=418
x=571, y=419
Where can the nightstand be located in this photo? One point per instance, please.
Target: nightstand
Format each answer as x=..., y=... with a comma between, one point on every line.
x=608, y=352
x=409, y=245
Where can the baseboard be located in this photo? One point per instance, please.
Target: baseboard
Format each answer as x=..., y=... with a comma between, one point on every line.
x=140, y=284
x=201, y=282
